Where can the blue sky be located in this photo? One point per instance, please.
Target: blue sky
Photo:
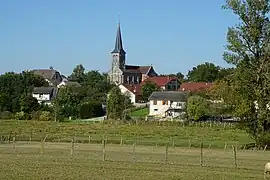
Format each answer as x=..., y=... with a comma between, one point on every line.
x=172, y=35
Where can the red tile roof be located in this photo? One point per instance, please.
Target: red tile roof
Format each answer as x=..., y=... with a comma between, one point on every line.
x=160, y=80
x=194, y=86
x=134, y=88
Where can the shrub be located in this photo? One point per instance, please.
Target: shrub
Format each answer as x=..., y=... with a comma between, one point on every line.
x=45, y=116
x=22, y=116
x=5, y=115
x=91, y=109
x=35, y=115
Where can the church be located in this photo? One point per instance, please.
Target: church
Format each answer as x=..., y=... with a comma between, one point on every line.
x=120, y=72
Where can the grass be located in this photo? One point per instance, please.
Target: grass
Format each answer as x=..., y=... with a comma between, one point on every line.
x=145, y=134
x=26, y=162
x=141, y=112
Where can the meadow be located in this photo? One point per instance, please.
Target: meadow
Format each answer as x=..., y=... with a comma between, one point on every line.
x=164, y=150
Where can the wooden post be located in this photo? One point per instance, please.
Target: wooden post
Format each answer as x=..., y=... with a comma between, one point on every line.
x=41, y=146
x=133, y=151
x=225, y=146
x=30, y=138
x=89, y=139
x=72, y=147
x=166, y=153
x=173, y=143
x=234, y=155
x=201, y=156
x=121, y=141
x=13, y=142
x=209, y=146
x=189, y=143
x=245, y=147
x=9, y=138
x=265, y=147
x=103, y=150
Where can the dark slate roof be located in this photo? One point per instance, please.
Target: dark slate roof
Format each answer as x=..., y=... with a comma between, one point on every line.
x=72, y=83
x=137, y=69
x=46, y=73
x=169, y=95
x=43, y=90
x=118, y=42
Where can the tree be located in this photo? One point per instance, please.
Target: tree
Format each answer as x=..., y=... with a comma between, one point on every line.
x=206, y=72
x=148, y=88
x=78, y=74
x=28, y=103
x=197, y=107
x=115, y=104
x=248, y=49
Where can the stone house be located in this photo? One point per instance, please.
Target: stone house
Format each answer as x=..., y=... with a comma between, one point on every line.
x=45, y=95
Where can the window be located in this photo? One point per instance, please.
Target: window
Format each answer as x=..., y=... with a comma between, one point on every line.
x=155, y=102
x=138, y=80
x=40, y=95
x=132, y=80
x=155, y=109
x=128, y=79
x=164, y=102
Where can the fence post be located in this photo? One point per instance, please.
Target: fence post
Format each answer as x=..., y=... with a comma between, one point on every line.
x=201, y=156
x=72, y=147
x=225, y=146
x=41, y=146
x=189, y=143
x=133, y=151
x=166, y=153
x=103, y=150
x=265, y=147
x=30, y=138
x=89, y=139
x=173, y=143
x=121, y=141
x=13, y=142
x=234, y=155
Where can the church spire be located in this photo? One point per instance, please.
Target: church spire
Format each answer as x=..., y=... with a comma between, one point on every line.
x=118, y=42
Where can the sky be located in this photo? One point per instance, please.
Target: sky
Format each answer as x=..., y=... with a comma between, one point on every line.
x=172, y=35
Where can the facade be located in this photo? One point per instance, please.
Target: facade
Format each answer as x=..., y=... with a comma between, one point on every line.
x=44, y=94
x=120, y=72
x=167, y=103
x=132, y=91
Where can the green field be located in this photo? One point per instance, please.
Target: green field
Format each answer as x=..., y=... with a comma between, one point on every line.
x=123, y=162
x=141, y=112
x=180, y=135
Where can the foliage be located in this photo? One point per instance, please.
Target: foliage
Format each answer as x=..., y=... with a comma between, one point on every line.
x=28, y=103
x=148, y=88
x=22, y=116
x=45, y=116
x=197, y=107
x=117, y=103
x=91, y=109
x=207, y=72
x=248, y=49
x=78, y=74
x=5, y=115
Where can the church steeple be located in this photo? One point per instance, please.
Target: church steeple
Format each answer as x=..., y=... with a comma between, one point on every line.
x=118, y=48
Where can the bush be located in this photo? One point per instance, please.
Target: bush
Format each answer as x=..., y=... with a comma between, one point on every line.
x=91, y=109
x=5, y=115
x=35, y=115
x=22, y=116
x=45, y=116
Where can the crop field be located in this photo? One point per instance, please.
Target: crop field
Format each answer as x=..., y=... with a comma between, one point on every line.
x=25, y=160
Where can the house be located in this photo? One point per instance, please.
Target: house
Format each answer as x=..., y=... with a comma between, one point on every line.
x=120, y=72
x=133, y=91
x=52, y=76
x=167, y=103
x=194, y=86
x=166, y=83
x=45, y=94
x=68, y=83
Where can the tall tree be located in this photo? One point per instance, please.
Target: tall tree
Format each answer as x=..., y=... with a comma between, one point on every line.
x=78, y=74
x=249, y=50
x=148, y=88
x=207, y=72
x=197, y=107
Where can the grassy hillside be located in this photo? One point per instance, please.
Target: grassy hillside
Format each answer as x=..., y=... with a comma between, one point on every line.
x=141, y=112
x=146, y=134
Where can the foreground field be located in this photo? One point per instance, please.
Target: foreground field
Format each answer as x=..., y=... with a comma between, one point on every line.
x=181, y=135
x=23, y=160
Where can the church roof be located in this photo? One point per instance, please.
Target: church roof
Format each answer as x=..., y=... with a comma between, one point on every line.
x=118, y=48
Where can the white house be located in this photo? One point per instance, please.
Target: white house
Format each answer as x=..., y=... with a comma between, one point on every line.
x=167, y=103
x=44, y=94
x=132, y=91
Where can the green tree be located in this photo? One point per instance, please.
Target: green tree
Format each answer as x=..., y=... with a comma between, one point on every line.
x=197, y=107
x=78, y=74
x=249, y=51
x=116, y=104
x=207, y=72
x=148, y=88
x=28, y=103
